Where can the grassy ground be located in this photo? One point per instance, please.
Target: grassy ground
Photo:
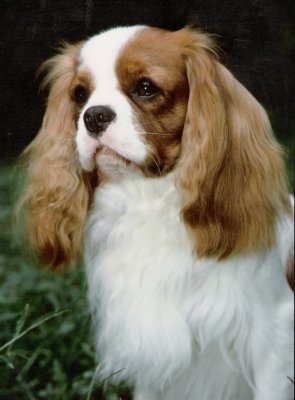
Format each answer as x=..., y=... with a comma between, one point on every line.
x=45, y=336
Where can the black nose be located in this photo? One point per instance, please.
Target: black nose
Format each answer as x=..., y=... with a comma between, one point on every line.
x=97, y=119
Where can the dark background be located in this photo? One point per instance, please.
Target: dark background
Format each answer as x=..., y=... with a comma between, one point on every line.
x=257, y=37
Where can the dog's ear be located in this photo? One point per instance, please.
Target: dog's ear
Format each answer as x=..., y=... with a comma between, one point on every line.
x=231, y=172
x=57, y=192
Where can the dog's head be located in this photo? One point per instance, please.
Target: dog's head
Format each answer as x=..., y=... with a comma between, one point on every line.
x=131, y=91
x=153, y=101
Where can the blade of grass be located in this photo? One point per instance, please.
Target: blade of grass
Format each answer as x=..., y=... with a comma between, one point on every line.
x=20, y=324
x=92, y=383
x=30, y=328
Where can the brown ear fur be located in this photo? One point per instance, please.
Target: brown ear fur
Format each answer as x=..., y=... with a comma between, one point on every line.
x=56, y=196
x=230, y=170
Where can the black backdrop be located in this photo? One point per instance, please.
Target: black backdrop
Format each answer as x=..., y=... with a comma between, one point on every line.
x=257, y=37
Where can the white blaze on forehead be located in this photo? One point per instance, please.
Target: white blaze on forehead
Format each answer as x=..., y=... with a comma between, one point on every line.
x=100, y=53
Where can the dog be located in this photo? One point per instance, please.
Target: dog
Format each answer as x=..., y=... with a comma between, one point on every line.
x=167, y=166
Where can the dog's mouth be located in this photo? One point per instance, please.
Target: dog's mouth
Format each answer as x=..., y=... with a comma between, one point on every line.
x=104, y=153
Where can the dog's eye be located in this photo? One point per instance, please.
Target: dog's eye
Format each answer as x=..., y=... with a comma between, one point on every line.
x=145, y=89
x=80, y=94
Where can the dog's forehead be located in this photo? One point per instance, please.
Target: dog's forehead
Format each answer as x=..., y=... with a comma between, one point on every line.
x=100, y=53
x=134, y=50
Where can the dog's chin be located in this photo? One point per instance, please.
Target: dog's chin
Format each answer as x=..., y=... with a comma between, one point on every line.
x=105, y=155
x=112, y=163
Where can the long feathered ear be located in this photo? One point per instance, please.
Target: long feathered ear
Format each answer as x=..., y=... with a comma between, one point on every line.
x=57, y=192
x=231, y=172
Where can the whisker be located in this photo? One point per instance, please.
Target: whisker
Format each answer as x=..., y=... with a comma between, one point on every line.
x=155, y=157
x=146, y=167
x=144, y=133
x=68, y=140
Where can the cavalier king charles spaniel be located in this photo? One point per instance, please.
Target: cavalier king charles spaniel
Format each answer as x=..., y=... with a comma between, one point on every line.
x=164, y=168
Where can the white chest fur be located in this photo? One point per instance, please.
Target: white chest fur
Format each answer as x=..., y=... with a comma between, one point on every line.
x=139, y=262
x=156, y=306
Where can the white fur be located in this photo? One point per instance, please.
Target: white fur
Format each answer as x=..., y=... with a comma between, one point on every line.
x=174, y=326
x=98, y=57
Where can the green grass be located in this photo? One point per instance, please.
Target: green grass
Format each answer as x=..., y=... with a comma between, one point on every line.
x=46, y=347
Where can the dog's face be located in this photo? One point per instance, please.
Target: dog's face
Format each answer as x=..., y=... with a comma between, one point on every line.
x=131, y=100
